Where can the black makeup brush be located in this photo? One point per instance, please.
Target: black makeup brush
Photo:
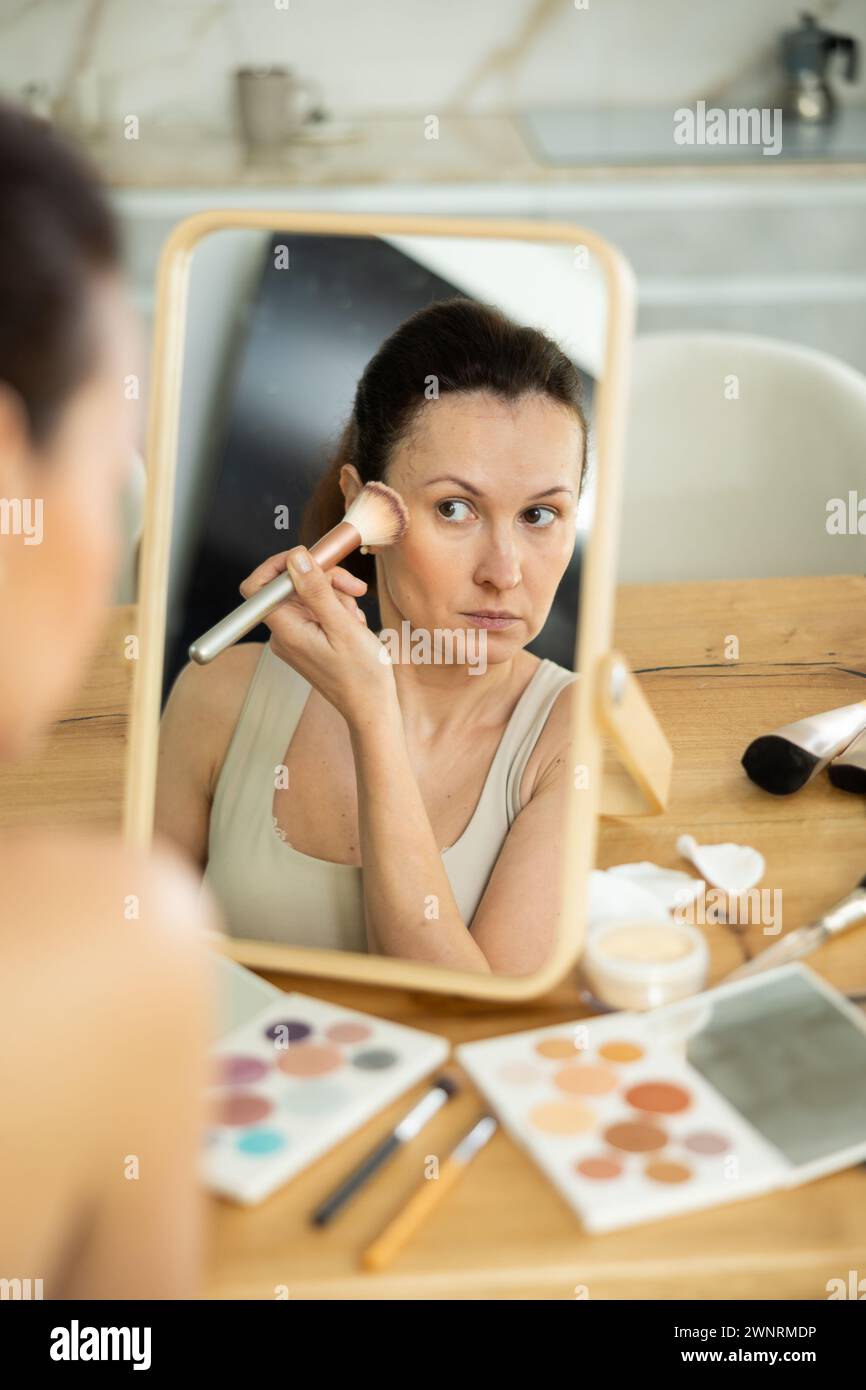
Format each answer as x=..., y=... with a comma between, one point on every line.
x=848, y=771
x=440, y=1093
x=785, y=760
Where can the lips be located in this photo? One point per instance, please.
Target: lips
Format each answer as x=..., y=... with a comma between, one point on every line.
x=490, y=620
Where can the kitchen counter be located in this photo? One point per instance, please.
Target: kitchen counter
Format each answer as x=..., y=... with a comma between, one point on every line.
x=387, y=150
x=759, y=246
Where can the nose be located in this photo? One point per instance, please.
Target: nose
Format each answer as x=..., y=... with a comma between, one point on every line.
x=499, y=564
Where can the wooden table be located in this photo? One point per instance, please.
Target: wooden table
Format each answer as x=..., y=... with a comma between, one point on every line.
x=504, y=1233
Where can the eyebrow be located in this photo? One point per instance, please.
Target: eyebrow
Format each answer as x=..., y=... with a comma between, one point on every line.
x=467, y=487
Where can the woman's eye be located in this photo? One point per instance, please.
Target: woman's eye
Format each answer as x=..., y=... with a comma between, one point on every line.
x=452, y=502
x=547, y=514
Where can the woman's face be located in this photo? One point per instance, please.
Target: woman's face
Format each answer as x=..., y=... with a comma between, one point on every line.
x=56, y=582
x=492, y=492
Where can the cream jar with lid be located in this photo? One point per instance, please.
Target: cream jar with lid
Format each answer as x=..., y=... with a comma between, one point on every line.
x=640, y=965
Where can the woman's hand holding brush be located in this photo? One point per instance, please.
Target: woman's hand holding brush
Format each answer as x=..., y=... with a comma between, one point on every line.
x=378, y=516
x=322, y=633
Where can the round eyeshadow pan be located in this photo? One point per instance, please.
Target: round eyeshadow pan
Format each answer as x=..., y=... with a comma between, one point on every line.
x=658, y=1097
x=635, y=1138
x=243, y=1108
x=706, y=1142
x=348, y=1032
x=288, y=1030
x=586, y=1080
x=600, y=1169
x=619, y=1050
x=661, y=1171
x=374, y=1059
x=261, y=1141
x=312, y=1059
x=557, y=1047
x=239, y=1070
x=562, y=1117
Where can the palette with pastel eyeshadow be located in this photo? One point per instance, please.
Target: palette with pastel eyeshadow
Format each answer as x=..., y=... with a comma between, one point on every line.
x=293, y=1080
x=747, y=1088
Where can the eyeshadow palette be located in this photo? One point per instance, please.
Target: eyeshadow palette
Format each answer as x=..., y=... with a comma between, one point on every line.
x=635, y=1116
x=294, y=1079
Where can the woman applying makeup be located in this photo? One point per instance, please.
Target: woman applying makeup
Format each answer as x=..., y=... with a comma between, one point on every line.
x=103, y=1015
x=423, y=811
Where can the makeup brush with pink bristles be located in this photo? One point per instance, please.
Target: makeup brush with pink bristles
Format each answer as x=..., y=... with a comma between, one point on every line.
x=378, y=516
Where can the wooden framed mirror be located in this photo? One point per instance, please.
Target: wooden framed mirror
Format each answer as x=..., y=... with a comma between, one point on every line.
x=284, y=348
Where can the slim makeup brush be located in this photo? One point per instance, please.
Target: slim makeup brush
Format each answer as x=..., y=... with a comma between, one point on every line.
x=410, y=1126
x=784, y=761
x=846, y=913
x=426, y=1198
x=378, y=516
x=848, y=771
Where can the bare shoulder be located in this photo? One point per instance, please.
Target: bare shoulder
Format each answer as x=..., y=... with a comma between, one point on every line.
x=64, y=885
x=77, y=957
x=550, y=752
x=208, y=700
x=218, y=687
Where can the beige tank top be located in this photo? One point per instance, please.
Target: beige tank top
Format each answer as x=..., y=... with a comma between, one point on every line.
x=271, y=892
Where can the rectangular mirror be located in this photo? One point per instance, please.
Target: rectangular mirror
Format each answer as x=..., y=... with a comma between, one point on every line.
x=408, y=796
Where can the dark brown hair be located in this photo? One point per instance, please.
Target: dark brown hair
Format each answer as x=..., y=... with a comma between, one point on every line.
x=464, y=346
x=56, y=230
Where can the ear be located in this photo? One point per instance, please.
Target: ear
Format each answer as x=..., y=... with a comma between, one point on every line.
x=350, y=483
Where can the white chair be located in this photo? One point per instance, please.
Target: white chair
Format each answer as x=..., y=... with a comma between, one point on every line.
x=735, y=447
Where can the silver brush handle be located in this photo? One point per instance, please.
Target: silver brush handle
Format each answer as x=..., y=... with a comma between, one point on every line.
x=847, y=912
x=333, y=547
x=241, y=620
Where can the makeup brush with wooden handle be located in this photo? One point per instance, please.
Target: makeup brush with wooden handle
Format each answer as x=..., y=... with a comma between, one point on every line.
x=378, y=516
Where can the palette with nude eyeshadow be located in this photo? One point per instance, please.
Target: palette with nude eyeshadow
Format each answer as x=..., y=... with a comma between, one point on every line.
x=295, y=1077
x=752, y=1086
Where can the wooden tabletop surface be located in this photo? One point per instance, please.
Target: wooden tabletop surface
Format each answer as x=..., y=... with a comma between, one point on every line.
x=504, y=1232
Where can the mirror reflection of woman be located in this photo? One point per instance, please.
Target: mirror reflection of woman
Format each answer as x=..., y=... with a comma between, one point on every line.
x=413, y=810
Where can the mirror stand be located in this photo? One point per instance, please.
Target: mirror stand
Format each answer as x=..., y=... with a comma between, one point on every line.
x=641, y=784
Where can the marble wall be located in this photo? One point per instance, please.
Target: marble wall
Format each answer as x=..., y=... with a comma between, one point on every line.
x=171, y=61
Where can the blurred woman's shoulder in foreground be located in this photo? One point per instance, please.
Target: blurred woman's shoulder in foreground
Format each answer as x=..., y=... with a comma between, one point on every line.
x=103, y=1035
x=93, y=872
